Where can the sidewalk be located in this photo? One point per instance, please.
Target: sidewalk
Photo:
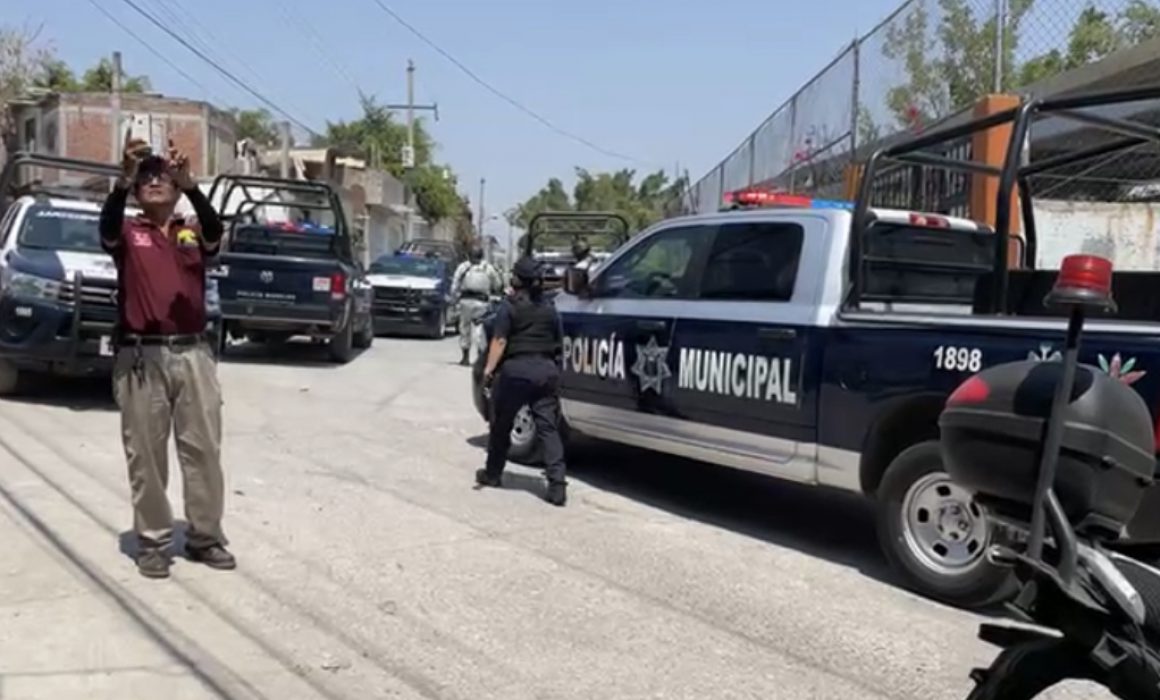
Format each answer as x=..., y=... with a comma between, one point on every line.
x=77, y=621
x=63, y=636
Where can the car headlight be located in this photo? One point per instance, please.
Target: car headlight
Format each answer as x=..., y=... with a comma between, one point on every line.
x=25, y=286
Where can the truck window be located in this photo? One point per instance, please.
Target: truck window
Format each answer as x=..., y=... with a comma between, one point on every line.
x=49, y=228
x=753, y=261
x=664, y=266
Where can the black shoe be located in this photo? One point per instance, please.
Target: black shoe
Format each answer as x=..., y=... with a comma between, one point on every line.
x=214, y=556
x=466, y=359
x=557, y=493
x=482, y=478
x=153, y=563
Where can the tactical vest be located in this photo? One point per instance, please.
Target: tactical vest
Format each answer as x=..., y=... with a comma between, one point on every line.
x=535, y=329
x=477, y=279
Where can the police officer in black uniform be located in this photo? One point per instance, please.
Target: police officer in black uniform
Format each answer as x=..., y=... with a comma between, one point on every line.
x=526, y=346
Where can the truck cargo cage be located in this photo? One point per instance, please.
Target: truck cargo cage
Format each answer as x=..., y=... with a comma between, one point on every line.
x=94, y=188
x=238, y=198
x=1015, y=177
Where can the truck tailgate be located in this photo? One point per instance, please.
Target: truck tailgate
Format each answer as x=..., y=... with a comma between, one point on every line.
x=278, y=280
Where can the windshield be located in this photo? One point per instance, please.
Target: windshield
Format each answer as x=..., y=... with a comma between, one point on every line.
x=400, y=265
x=50, y=228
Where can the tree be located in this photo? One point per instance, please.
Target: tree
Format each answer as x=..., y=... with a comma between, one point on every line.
x=57, y=76
x=257, y=125
x=948, y=73
x=640, y=204
x=22, y=59
x=99, y=78
x=381, y=140
x=1094, y=36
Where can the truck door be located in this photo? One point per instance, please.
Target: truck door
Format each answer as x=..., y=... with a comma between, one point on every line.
x=620, y=369
x=743, y=348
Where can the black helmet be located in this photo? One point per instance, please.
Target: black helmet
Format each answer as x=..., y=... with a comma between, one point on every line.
x=528, y=272
x=476, y=254
x=581, y=249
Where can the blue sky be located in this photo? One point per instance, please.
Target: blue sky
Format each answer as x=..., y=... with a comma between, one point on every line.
x=666, y=82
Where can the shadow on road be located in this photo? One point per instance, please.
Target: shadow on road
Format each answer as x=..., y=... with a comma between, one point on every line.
x=826, y=523
x=77, y=394
x=303, y=354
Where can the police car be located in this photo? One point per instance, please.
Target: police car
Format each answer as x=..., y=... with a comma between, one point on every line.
x=731, y=338
x=58, y=287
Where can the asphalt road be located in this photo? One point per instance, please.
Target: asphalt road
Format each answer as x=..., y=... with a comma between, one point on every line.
x=370, y=567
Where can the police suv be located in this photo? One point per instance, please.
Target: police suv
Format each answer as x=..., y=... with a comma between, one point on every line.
x=58, y=287
x=728, y=338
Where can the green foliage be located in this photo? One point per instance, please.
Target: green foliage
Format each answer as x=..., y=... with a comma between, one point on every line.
x=380, y=138
x=640, y=204
x=99, y=78
x=949, y=69
x=257, y=125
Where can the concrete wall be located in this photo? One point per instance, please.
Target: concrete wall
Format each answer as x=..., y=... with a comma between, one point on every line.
x=1126, y=233
x=77, y=125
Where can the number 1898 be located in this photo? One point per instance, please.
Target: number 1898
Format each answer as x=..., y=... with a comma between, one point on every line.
x=957, y=359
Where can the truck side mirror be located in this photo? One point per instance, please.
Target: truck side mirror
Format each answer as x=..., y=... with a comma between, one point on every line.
x=576, y=281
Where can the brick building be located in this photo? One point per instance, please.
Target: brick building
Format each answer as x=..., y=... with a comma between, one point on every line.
x=77, y=125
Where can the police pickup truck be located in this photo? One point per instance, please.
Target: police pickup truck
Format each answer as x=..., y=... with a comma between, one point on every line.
x=295, y=276
x=817, y=342
x=412, y=292
x=58, y=287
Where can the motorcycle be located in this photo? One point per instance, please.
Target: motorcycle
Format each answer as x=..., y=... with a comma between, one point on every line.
x=1059, y=455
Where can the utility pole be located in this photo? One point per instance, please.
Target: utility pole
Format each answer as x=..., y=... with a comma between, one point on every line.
x=1000, y=21
x=115, y=110
x=409, y=150
x=285, y=132
x=482, y=239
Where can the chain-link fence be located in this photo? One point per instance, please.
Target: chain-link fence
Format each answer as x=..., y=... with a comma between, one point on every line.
x=928, y=61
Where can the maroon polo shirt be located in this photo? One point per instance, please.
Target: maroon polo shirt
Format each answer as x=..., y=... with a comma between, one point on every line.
x=161, y=276
x=160, y=271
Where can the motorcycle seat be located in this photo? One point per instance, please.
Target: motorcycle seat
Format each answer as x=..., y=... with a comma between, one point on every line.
x=1146, y=580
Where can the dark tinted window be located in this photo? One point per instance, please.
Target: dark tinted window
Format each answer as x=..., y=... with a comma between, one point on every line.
x=753, y=261
x=50, y=228
x=406, y=265
x=663, y=266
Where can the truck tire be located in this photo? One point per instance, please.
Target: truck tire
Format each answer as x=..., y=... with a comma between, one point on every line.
x=934, y=536
x=9, y=378
x=525, y=446
x=366, y=337
x=438, y=330
x=341, y=346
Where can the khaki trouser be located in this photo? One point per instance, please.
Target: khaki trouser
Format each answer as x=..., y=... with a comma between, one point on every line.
x=159, y=388
x=470, y=309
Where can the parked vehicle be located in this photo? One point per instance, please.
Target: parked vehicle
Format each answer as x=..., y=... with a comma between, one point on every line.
x=424, y=246
x=58, y=287
x=290, y=277
x=816, y=341
x=412, y=293
x=1061, y=450
x=555, y=233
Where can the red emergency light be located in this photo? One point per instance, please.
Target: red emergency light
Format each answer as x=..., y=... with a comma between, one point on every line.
x=772, y=198
x=1090, y=273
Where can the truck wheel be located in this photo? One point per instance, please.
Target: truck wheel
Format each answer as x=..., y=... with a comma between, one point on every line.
x=366, y=337
x=525, y=447
x=9, y=378
x=341, y=346
x=934, y=535
x=439, y=330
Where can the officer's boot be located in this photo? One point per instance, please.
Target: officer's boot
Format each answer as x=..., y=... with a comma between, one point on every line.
x=557, y=493
x=466, y=359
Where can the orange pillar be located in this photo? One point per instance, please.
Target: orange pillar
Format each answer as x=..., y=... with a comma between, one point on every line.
x=851, y=180
x=990, y=147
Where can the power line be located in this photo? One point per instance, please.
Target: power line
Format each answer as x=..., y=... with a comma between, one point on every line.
x=495, y=91
x=165, y=59
x=214, y=64
x=337, y=65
